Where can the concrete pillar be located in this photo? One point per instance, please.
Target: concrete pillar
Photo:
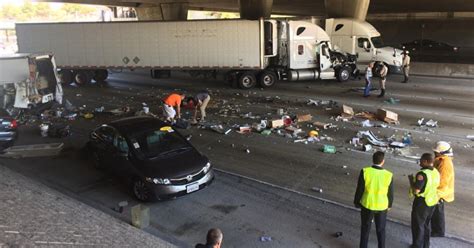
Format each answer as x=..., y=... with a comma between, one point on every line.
x=254, y=9
x=164, y=12
x=356, y=9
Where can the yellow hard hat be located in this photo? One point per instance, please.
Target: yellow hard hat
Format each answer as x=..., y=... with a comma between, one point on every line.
x=313, y=133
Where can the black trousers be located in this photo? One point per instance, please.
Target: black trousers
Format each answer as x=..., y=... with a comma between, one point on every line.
x=420, y=223
x=437, y=221
x=366, y=217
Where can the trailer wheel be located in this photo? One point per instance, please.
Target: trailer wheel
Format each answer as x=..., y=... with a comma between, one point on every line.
x=343, y=73
x=267, y=79
x=247, y=80
x=82, y=77
x=66, y=77
x=101, y=75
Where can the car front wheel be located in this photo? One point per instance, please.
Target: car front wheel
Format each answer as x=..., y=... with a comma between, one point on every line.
x=141, y=191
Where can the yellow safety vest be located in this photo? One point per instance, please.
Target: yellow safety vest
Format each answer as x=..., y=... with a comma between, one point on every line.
x=431, y=188
x=377, y=183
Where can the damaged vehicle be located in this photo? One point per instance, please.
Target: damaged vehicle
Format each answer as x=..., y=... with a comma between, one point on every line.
x=151, y=157
x=28, y=82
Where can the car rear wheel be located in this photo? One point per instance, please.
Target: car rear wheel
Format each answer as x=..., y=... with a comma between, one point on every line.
x=141, y=191
x=267, y=79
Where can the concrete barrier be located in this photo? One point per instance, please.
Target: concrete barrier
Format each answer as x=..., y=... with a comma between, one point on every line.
x=442, y=69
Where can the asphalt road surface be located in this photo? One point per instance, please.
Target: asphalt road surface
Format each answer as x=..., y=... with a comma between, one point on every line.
x=268, y=192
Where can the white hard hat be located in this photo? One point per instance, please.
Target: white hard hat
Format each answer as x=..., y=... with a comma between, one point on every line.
x=443, y=147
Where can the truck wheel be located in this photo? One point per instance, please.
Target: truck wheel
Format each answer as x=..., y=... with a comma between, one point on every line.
x=343, y=74
x=247, y=80
x=267, y=79
x=66, y=77
x=101, y=75
x=82, y=78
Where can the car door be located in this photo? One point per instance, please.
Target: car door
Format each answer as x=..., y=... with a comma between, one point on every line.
x=102, y=140
x=365, y=55
x=119, y=160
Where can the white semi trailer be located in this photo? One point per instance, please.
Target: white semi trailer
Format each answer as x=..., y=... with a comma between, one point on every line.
x=251, y=52
x=362, y=39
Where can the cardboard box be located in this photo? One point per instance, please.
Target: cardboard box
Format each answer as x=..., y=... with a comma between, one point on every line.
x=293, y=130
x=387, y=116
x=347, y=111
x=277, y=123
x=304, y=118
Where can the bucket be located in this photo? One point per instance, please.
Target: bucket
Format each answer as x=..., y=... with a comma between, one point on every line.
x=44, y=130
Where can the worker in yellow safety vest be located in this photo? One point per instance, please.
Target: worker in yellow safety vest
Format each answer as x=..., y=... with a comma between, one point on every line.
x=374, y=197
x=424, y=186
x=444, y=164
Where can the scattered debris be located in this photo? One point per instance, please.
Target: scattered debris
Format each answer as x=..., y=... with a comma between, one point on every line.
x=316, y=189
x=347, y=112
x=366, y=115
x=367, y=148
x=323, y=125
x=470, y=137
x=265, y=239
x=338, y=234
x=430, y=123
x=277, y=123
x=392, y=100
x=304, y=118
x=387, y=116
x=372, y=138
x=366, y=123
x=329, y=149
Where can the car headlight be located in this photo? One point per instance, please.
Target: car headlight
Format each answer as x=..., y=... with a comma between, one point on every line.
x=207, y=167
x=158, y=180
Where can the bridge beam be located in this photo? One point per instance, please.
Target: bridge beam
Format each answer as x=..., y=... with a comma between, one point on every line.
x=255, y=9
x=163, y=12
x=356, y=9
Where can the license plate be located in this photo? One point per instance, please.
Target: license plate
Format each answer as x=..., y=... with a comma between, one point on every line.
x=192, y=187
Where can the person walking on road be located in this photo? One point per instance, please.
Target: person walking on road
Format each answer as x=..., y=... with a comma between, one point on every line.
x=444, y=164
x=383, y=78
x=368, y=77
x=374, y=197
x=424, y=187
x=200, y=100
x=169, y=103
x=213, y=239
x=406, y=66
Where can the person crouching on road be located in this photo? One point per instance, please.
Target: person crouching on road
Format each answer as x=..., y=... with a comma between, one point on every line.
x=213, y=239
x=368, y=77
x=424, y=187
x=444, y=164
x=383, y=79
x=200, y=100
x=374, y=197
x=169, y=103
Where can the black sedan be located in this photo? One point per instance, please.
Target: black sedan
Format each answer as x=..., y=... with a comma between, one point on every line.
x=153, y=158
x=8, y=130
x=425, y=45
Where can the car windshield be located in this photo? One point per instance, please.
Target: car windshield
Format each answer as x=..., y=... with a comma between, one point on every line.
x=377, y=42
x=158, y=142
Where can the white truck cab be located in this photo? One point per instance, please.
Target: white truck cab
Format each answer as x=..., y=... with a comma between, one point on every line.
x=362, y=39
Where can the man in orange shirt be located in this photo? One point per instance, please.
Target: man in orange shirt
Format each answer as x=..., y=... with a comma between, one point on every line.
x=444, y=164
x=169, y=103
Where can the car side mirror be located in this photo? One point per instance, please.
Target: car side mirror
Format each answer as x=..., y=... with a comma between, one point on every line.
x=365, y=45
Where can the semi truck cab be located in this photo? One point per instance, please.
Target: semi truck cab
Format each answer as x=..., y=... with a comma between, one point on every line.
x=363, y=40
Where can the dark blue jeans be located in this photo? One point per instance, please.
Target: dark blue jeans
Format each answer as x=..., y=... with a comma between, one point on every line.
x=367, y=87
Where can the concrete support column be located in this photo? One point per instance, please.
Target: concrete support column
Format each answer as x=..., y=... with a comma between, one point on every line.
x=356, y=9
x=164, y=12
x=255, y=9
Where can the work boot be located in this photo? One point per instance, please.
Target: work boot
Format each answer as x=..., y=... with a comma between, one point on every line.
x=382, y=93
